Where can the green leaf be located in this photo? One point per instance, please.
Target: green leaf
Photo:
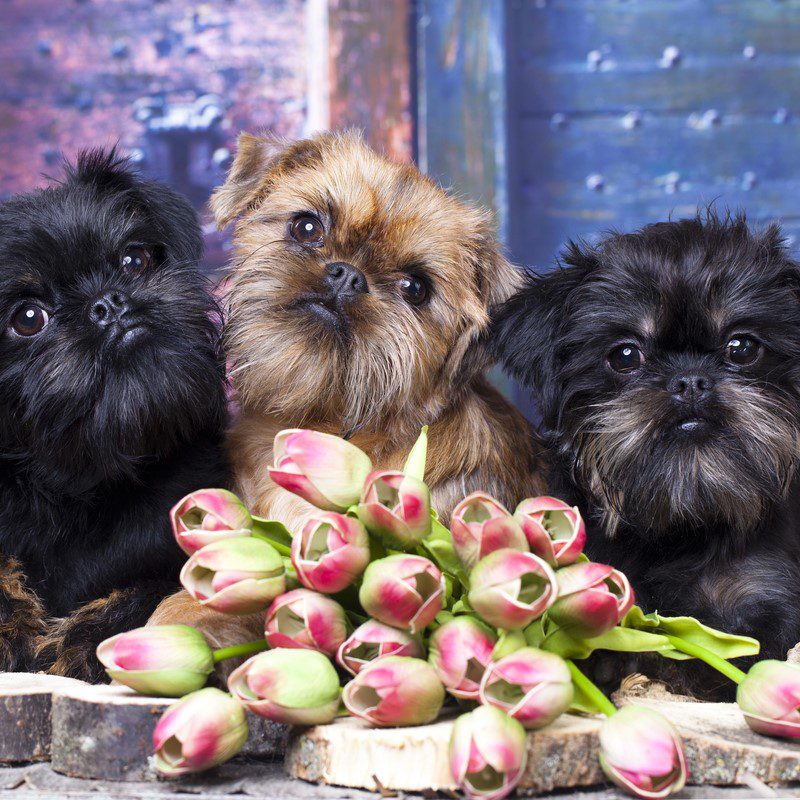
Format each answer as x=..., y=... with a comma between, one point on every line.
x=535, y=633
x=623, y=640
x=582, y=703
x=438, y=545
x=725, y=645
x=415, y=463
x=275, y=533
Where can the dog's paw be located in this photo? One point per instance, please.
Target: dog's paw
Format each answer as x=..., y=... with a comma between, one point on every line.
x=22, y=619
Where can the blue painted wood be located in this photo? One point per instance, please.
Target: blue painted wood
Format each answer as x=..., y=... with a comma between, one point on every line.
x=622, y=112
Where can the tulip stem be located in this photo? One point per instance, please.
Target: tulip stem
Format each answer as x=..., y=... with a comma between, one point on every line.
x=591, y=691
x=712, y=659
x=246, y=649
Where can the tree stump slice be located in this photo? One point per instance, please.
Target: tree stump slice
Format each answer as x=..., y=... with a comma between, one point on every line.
x=25, y=705
x=720, y=750
x=106, y=732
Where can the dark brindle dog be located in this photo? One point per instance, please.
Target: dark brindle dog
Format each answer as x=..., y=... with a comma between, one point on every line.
x=112, y=405
x=667, y=365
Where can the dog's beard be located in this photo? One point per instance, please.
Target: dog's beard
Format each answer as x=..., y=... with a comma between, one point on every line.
x=374, y=364
x=639, y=473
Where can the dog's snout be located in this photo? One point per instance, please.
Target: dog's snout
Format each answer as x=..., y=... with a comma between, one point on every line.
x=691, y=386
x=344, y=280
x=110, y=307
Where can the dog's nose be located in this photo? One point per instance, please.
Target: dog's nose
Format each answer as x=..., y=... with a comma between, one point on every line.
x=691, y=386
x=110, y=307
x=344, y=280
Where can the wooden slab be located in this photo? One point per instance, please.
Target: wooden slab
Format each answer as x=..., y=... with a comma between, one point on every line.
x=720, y=750
x=25, y=703
x=106, y=732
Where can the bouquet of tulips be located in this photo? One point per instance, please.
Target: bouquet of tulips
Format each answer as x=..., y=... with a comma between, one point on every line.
x=374, y=589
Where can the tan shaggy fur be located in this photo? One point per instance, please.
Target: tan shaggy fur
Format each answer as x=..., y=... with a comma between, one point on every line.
x=396, y=367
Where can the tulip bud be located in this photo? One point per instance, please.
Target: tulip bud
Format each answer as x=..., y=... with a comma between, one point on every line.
x=200, y=731
x=510, y=589
x=459, y=651
x=395, y=691
x=162, y=660
x=487, y=753
x=235, y=576
x=642, y=753
x=404, y=591
x=530, y=685
x=325, y=470
x=769, y=697
x=396, y=507
x=374, y=640
x=305, y=619
x=555, y=531
x=330, y=552
x=480, y=525
x=207, y=516
x=592, y=599
x=298, y=687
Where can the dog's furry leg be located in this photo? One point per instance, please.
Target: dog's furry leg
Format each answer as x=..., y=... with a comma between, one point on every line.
x=68, y=648
x=21, y=618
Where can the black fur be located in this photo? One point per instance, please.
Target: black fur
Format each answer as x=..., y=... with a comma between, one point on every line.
x=100, y=436
x=705, y=522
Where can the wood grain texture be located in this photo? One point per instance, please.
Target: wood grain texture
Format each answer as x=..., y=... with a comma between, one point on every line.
x=25, y=705
x=720, y=750
x=106, y=733
x=370, y=72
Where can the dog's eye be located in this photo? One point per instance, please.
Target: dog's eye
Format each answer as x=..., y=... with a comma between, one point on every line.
x=28, y=320
x=625, y=358
x=742, y=350
x=135, y=259
x=308, y=230
x=414, y=289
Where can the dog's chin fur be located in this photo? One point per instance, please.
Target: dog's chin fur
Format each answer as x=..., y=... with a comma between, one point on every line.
x=677, y=510
x=381, y=367
x=102, y=429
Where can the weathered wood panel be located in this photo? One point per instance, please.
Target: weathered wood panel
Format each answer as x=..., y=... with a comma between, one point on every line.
x=370, y=71
x=461, y=100
x=623, y=113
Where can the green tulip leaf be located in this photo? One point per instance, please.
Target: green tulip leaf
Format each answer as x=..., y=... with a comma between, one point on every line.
x=622, y=640
x=273, y=532
x=582, y=703
x=415, y=463
x=724, y=645
x=438, y=546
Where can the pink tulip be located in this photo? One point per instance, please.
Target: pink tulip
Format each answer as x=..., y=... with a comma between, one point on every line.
x=530, y=685
x=510, y=589
x=305, y=619
x=555, y=531
x=330, y=552
x=298, y=687
x=395, y=691
x=374, y=640
x=459, y=651
x=396, y=507
x=405, y=591
x=235, y=576
x=325, y=470
x=480, y=525
x=160, y=660
x=769, y=697
x=487, y=753
x=200, y=731
x=207, y=516
x=642, y=753
x=592, y=599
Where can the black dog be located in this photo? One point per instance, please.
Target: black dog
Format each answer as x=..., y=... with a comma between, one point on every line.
x=667, y=366
x=112, y=407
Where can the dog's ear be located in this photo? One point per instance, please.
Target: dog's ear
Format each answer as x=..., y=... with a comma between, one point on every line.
x=526, y=328
x=258, y=162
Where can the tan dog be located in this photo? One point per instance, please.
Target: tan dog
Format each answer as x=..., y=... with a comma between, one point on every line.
x=359, y=297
